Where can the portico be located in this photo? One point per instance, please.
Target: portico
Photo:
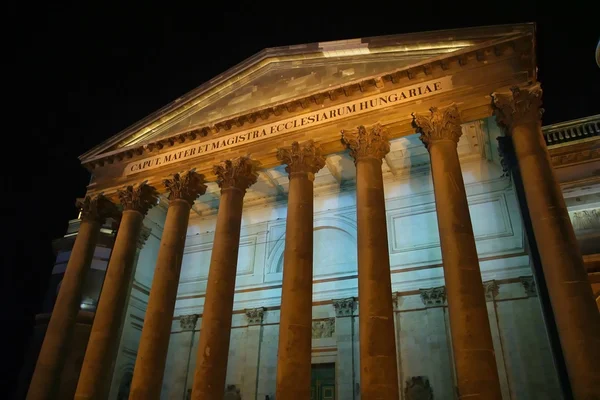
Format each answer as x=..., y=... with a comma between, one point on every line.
x=345, y=129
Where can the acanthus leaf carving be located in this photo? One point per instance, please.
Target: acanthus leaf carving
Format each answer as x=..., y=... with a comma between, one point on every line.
x=491, y=290
x=302, y=158
x=255, y=315
x=344, y=307
x=185, y=186
x=239, y=173
x=529, y=285
x=433, y=296
x=97, y=208
x=367, y=142
x=188, y=322
x=438, y=124
x=138, y=198
x=418, y=388
x=144, y=235
x=519, y=105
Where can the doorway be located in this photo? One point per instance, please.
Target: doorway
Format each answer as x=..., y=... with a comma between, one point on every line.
x=322, y=382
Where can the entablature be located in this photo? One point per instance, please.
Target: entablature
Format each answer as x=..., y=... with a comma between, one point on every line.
x=474, y=73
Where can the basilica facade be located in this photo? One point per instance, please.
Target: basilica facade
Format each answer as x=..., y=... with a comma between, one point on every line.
x=380, y=218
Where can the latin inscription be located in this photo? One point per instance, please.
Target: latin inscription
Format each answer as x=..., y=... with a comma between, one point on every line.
x=313, y=118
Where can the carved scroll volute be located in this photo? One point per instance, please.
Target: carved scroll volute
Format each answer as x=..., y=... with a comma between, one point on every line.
x=367, y=142
x=518, y=106
x=438, y=124
x=97, y=208
x=185, y=186
x=302, y=158
x=238, y=173
x=140, y=198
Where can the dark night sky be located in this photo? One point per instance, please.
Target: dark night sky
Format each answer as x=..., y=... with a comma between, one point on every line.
x=77, y=75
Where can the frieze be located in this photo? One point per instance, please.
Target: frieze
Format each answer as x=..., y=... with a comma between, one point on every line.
x=323, y=328
x=307, y=120
x=586, y=219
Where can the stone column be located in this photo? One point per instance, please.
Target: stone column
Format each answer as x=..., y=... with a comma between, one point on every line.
x=295, y=327
x=253, y=339
x=378, y=364
x=577, y=317
x=149, y=368
x=344, y=374
x=234, y=177
x=476, y=372
x=45, y=380
x=94, y=380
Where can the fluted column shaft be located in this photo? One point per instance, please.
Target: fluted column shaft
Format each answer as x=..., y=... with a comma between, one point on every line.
x=94, y=379
x=45, y=380
x=235, y=176
x=476, y=371
x=378, y=364
x=295, y=327
x=152, y=352
x=571, y=296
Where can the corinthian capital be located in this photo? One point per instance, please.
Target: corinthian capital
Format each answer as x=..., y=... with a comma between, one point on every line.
x=96, y=208
x=367, y=142
x=438, y=124
x=138, y=198
x=517, y=106
x=185, y=186
x=305, y=158
x=239, y=173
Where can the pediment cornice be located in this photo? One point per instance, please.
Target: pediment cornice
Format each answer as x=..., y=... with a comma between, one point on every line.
x=448, y=64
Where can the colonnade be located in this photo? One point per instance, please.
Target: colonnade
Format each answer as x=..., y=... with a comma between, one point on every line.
x=477, y=377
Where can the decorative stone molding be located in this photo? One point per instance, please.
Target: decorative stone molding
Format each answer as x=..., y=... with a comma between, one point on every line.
x=323, y=328
x=140, y=198
x=395, y=298
x=305, y=158
x=97, y=208
x=418, y=388
x=144, y=235
x=520, y=105
x=255, y=315
x=433, y=297
x=185, y=186
x=238, y=173
x=575, y=157
x=586, y=219
x=367, y=142
x=232, y=393
x=529, y=284
x=344, y=307
x=506, y=151
x=188, y=322
x=491, y=290
x=438, y=124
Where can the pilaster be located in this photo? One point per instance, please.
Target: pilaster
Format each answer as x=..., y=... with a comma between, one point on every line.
x=344, y=332
x=255, y=317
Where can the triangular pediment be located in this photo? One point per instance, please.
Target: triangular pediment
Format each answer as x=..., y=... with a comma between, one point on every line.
x=279, y=75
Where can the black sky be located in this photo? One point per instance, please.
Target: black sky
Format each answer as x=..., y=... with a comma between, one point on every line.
x=77, y=75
